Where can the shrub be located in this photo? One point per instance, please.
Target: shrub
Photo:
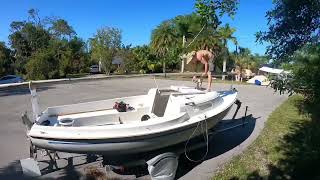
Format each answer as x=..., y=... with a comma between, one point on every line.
x=305, y=78
x=42, y=65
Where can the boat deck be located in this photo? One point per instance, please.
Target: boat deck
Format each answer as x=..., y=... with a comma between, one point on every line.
x=100, y=117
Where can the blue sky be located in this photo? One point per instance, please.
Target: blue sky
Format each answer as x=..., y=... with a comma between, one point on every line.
x=136, y=19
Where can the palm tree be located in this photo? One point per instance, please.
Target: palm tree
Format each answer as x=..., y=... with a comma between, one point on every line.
x=210, y=38
x=164, y=40
x=243, y=55
x=206, y=40
x=226, y=33
x=187, y=26
x=144, y=59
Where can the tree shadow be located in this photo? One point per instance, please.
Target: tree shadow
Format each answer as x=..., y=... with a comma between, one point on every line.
x=13, y=91
x=70, y=171
x=14, y=172
x=69, y=167
x=300, y=149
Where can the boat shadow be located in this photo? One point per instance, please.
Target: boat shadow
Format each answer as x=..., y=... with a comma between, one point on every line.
x=232, y=133
x=225, y=136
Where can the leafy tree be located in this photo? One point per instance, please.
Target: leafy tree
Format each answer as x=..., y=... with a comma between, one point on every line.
x=61, y=29
x=142, y=57
x=145, y=60
x=244, y=57
x=43, y=65
x=79, y=59
x=163, y=40
x=188, y=32
x=305, y=67
x=294, y=38
x=26, y=39
x=259, y=61
x=186, y=27
x=71, y=54
x=34, y=17
x=53, y=40
x=292, y=24
x=212, y=10
x=105, y=45
x=215, y=37
x=128, y=57
x=173, y=58
x=60, y=58
x=246, y=60
x=6, y=60
x=226, y=33
x=65, y=56
x=208, y=39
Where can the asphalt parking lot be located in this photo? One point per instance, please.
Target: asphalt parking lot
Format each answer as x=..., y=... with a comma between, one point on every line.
x=13, y=144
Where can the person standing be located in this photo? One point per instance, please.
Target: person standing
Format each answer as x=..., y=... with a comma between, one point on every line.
x=238, y=73
x=207, y=59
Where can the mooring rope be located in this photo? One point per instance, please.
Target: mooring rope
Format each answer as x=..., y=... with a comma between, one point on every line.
x=205, y=136
x=155, y=81
x=196, y=36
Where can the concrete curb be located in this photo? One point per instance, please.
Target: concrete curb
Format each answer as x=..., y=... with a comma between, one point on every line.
x=105, y=77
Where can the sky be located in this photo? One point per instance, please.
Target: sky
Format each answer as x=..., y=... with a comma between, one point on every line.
x=136, y=19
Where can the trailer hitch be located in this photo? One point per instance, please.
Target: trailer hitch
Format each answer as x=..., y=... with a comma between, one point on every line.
x=238, y=103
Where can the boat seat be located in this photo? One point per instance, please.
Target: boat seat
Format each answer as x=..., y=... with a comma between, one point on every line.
x=108, y=117
x=173, y=105
x=160, y=104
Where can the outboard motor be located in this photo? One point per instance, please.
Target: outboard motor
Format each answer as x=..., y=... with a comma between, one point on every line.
x=163, y=166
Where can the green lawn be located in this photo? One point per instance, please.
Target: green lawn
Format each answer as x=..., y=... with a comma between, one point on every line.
x=287, y=148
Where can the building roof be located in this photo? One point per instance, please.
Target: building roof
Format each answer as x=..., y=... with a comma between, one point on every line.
x=117, y=60
x=271, y=70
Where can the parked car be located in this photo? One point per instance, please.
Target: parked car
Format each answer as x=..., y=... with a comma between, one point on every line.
x=11, y=79
x=94, y=69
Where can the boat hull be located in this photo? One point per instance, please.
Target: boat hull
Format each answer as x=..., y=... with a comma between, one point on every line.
x=127, y=145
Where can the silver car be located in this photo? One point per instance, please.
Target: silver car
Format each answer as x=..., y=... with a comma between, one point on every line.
x=94, y=69
x=11, y=79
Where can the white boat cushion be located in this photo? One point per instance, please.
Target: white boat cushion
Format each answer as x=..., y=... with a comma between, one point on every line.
x=177, y=103
x=185, y=89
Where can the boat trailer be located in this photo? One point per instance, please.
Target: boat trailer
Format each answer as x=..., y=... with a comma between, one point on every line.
x=162, y=164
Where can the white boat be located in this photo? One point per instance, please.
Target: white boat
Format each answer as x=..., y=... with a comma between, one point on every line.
x=159, y=119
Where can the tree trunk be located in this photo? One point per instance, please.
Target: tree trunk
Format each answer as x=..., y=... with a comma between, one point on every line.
x=164, y=69
x=224, y=68
x=107, y=67
x=100, y=66
x=182, y=61
x=107, y=70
